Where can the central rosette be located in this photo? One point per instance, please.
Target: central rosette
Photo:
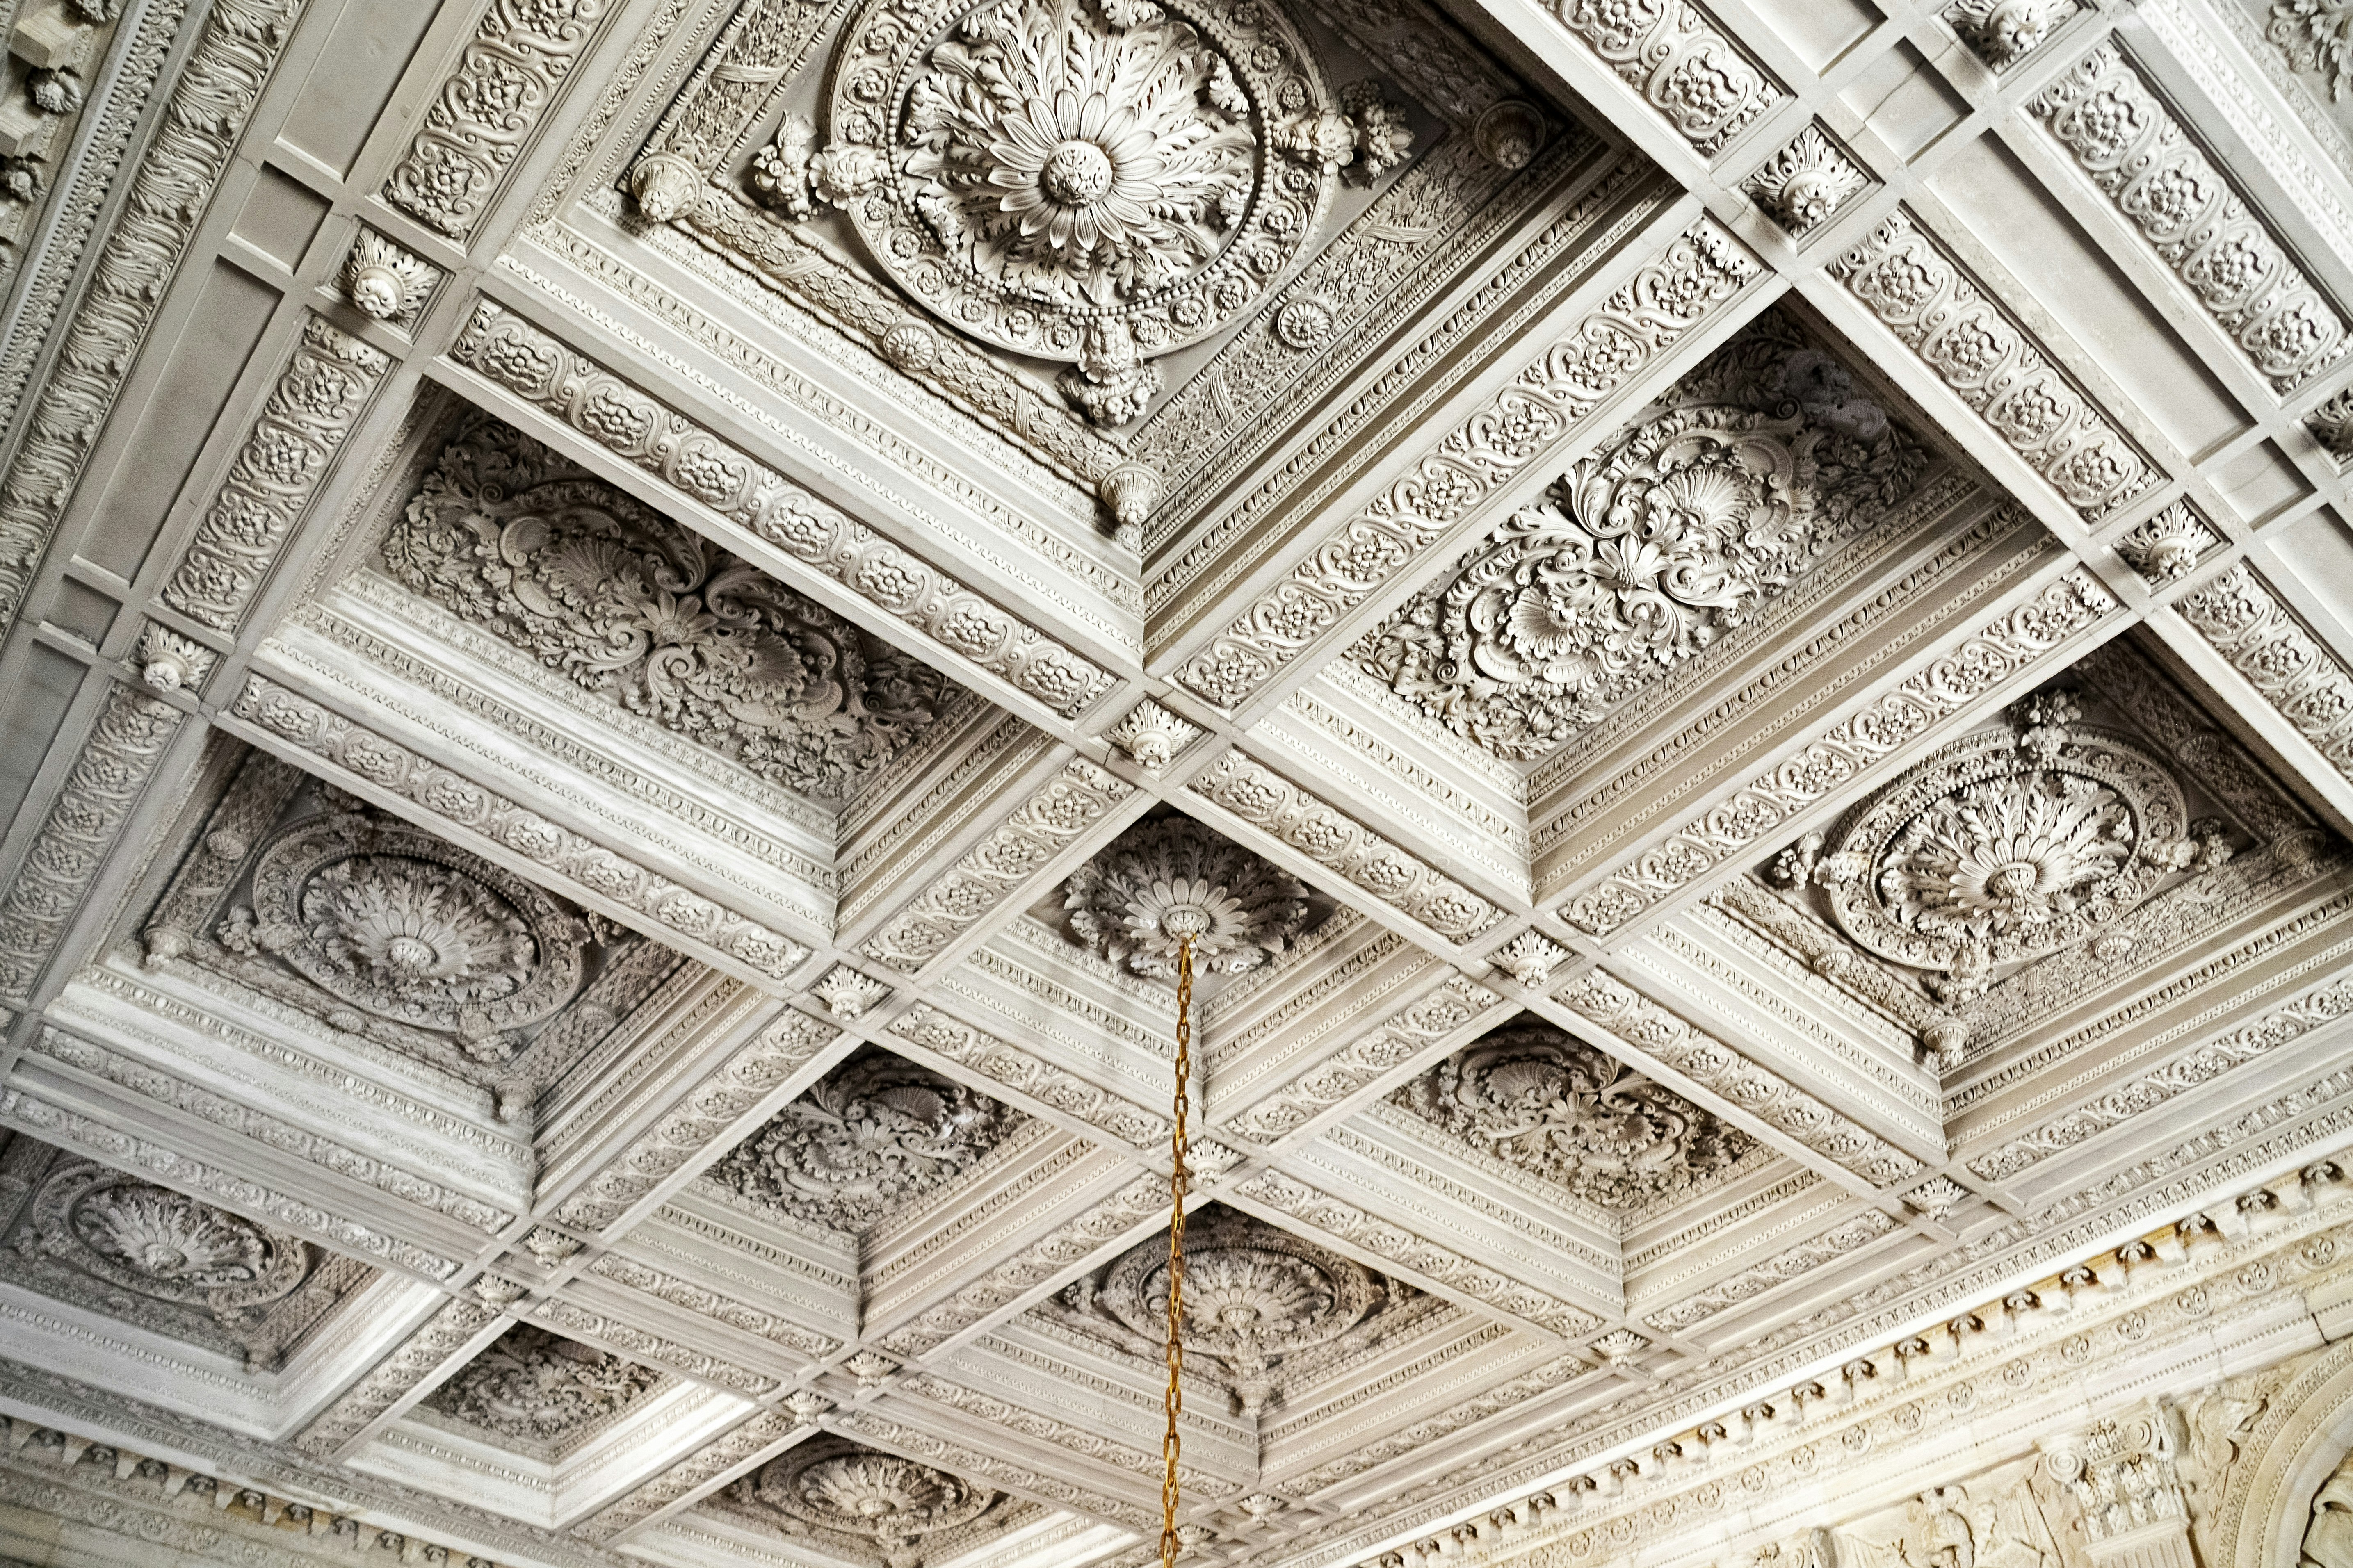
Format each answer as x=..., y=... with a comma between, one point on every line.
x=1077, y=175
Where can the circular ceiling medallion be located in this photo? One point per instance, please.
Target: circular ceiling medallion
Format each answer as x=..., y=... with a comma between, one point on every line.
x=153, y=1242
x=833, y=1484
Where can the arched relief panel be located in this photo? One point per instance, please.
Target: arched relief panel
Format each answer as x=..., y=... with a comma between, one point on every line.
x=2270, y=1441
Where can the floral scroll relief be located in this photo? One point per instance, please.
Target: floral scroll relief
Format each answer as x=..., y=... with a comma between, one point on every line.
x=1560, y=1109
x=1165, y=880
x=2005, y=847
x=507, y=534
x=869, y=1138
x=1648, y=553
x=1094, y=182
x=2317, y=37
x=539, y=1386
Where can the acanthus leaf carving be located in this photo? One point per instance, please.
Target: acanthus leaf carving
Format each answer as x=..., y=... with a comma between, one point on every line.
x=539, y=1386
x=1171, y=881
x=1805, y=183
x=864, y=1140
x=626, y=604
x=839, y=1488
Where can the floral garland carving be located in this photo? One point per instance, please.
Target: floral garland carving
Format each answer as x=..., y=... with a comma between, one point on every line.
x=1700, y=270
x=754, y=497
x=2138, y=153
x=1674, y=55
x=288, y=718
x=1975, y=347
x=506, y=77
x=309, y=413
x=537, y=1386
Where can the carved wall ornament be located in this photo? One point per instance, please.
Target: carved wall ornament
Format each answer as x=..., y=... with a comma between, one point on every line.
x=384, y=281
x=1165, y=879
x=2168, y=546
x=863, y=1142
x=841, y=1488
x=596, y=586
x=1254, y=1295
x=1558, y=1109
x=1719, y=498
x=395, y=922
x=540, y=1387
x=1805, y=183
x=2003, y=32
x=2316, y=37
x=1094, y=182
x=2004, y=846
x=2163, y=184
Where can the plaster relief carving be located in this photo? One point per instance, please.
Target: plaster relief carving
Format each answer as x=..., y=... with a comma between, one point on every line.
x=834, y=1488
x=1255, y=1297
x=1171, y=879
x=866, y=1139
x=2168, y=546
x=2317, y=37
x=1806, y=181
x=1091, y=183
x=385, y=281
x=1557, y=1109
x=540, y=1387
x=171, y=1263
x=2008, y=845
x=1723, y=495
x=1680, y=62
x=2328, y=1538
x=2004, y=32
x=600, y=588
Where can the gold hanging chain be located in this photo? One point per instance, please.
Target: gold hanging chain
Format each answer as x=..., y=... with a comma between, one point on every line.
x=1178, y=1181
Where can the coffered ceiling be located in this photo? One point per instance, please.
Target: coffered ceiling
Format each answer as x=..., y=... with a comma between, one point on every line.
x=630, y=623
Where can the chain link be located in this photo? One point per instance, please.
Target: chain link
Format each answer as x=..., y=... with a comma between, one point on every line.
x=1178, y=1181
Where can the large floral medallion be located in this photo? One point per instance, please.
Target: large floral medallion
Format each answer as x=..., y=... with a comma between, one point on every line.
x=512, y=537
x=1167, y=882
x=1557, y=1109
x=164, y=1246
x=1094, y=181
x=2005, y=847
x=1649, y=552
x=869, y=1138
x=398, y=925
x=540, y=1387
x=831, y=1486
x=1255, y=1298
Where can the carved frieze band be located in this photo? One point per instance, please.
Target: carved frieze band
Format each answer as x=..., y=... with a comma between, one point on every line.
x=1922, y=296
x=2281, y=1027
x=1403, y=1035
x=1107, y=1222
x=1005, y=1063
x=607, y=409
x=276, y=472
x=424, y=1352
x=2171, y=193
x=2264, y=640
x=465, y=805
x=1682, y=63
x=1448, y=1268
x=1840, y=1242
x=1663, y=302
x=1760, y=806
x=1608, y=1001
x=519, y=54
x=124, y=745
x=1001, y=864
x=55, y=1124
x=708, y=1304
x=707, y=1463
x=651, y=1349
x=1275, y=806
x=171, y=189
x=785, y=1045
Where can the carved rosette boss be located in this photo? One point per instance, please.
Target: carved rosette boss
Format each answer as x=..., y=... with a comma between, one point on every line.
x=1162, y=882
x=834, y=1486
x=1092, y=182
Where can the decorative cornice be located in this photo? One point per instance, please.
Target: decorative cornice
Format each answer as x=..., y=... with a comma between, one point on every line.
x=1976, y=347
x=1664, y=301
x=711, y=1112
x=600, y=406
x=1050, y=821
x=506, y=77
x=1331, y=839
x=1756, y=809
x=711, y=1304
x=1604, y=1000
x=318, y=397
x=1839, y=1243
x=126, y=741
x=658, y=1348
x=2265, y=642
x=466, y=806
x=704, y=1465
x=171, y=190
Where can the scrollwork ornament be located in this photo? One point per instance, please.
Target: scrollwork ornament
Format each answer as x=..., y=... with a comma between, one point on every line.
x=2004, y=846
x=1093, y=182
x=1171, y=881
